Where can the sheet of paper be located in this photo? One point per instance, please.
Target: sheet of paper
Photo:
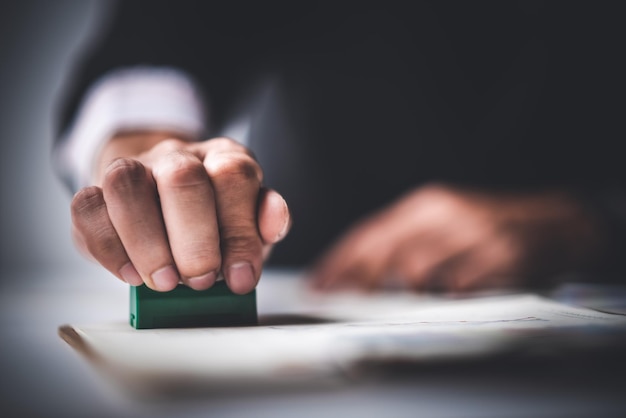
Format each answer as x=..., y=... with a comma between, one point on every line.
x=307, y=337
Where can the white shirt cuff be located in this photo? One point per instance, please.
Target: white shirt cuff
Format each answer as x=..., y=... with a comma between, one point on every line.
x=136, y=98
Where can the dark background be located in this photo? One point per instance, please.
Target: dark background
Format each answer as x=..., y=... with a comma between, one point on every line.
x=38, y=41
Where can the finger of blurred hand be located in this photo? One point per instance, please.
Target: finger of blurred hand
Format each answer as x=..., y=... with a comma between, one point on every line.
x=95, y=235
x=490, y=264
x=189, y=213
x=419, y=261
x=236, y=179
x=132, y=204
x=369, y=249
x=444, y=225
x=359, y=260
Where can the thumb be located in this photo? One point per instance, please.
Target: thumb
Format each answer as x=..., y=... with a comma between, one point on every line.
x=274, y=219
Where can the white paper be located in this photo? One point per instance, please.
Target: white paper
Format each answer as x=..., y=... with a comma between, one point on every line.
x=352, y=327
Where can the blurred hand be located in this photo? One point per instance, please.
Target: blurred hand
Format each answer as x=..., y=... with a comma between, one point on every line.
x=443, y=238
x=166, y=210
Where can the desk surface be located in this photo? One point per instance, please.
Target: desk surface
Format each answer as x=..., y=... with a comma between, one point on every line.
x=43, y=376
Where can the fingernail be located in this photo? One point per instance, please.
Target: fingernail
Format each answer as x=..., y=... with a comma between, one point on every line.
x=202, y=282
x=240, y=278
x=165, y=278
x=130, y=275
x=287, y=224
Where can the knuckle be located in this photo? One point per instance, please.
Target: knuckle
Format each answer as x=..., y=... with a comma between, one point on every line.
x=123, y=173
x=86, y=202
x=437, y=201
x=237, y=166
x=103, y=244
x=168, y=145
x=179, y=169
x=97, y=234
x=198, y=261
x=435, y=192
x=226, y=144
x=241, y=242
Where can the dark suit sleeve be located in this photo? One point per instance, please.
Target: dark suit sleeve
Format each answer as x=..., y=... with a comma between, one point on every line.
x=216, y=44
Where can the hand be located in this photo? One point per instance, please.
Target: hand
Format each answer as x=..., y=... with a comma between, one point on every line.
x=444, y=238
x=165, y=210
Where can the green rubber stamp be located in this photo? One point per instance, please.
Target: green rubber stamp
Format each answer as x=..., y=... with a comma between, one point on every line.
x=184, y=307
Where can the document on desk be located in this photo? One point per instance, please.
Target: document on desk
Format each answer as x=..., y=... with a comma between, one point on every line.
x=303, y=337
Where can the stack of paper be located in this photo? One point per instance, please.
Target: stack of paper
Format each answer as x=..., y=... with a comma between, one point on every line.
x=305, y=337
